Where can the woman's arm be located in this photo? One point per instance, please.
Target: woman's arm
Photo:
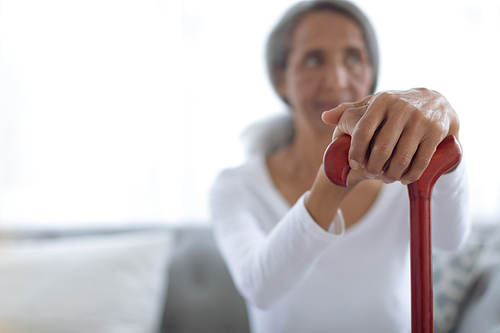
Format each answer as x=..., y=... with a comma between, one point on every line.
x=450, y=210
x=264, y=266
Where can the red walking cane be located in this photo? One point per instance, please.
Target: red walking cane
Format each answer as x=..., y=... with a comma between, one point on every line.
x=447, y=155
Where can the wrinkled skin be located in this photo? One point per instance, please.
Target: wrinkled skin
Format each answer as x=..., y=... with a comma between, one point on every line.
x=394, y=133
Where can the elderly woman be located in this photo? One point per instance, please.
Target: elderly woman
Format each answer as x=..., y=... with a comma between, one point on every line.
x=309, y=256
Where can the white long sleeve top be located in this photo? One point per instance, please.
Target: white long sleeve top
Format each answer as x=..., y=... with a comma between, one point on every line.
x=297, y=277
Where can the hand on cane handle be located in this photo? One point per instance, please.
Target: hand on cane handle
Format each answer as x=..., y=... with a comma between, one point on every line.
x=337, y=169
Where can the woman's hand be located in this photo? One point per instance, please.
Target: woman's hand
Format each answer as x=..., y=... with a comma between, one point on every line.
x=394, y=133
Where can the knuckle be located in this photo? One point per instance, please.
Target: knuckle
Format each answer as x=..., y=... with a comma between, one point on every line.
x=408, y=113
x=382, y=150
x=343, y=125
x=419, y=118
x=422, y=89
x=403, y=159
x=385, y=96
x=363, y=131
x=440, y=127
x=353, y=112
x=421, y=163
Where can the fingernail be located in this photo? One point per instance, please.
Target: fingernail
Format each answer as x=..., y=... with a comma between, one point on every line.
x=387, y=181
x=405, y=182
x=354, y=165
x=371, y=175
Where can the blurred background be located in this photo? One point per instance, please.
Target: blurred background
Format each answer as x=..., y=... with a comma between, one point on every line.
x=117, y=112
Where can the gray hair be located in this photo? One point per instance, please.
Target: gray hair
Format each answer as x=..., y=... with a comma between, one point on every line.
x=278, y=44
x=273, y=134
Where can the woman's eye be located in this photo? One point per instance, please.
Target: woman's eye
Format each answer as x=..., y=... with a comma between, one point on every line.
x=312, y=62
x=353, y=60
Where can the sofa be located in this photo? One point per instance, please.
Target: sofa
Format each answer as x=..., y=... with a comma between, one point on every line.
x=172, y=279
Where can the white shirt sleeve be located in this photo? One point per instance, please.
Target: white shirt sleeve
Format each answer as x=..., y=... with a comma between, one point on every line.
x=264, y=267
x=450, y=209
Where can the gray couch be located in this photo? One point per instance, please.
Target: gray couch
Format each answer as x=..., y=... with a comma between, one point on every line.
x=201, y=297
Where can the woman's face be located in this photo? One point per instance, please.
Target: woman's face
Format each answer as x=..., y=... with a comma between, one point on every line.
x=327, y=65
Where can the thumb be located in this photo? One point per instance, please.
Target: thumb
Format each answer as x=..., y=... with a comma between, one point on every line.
x=337, y=133
x=333, y=116
x=348, y=121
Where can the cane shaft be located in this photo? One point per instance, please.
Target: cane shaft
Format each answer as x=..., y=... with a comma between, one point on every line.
x=421, y=266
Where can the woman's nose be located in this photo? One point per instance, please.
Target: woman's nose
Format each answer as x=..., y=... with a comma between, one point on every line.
x=336, y=77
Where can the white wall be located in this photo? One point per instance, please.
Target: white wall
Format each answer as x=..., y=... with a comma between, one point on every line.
x=119, y=111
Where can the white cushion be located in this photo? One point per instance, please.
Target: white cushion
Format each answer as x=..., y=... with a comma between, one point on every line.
x=107, y=283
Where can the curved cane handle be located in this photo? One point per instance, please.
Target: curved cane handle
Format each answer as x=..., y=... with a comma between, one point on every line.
x=335, y=160
x=446, y=156
x=336, y=163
